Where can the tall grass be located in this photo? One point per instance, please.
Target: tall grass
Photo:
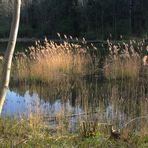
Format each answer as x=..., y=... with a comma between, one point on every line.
x=123, y=61
x=34, y=132
x=50, y=60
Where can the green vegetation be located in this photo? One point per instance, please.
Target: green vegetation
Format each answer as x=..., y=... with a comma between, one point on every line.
x=34, y=132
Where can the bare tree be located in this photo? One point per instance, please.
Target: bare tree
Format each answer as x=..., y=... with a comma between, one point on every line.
x=9, y=53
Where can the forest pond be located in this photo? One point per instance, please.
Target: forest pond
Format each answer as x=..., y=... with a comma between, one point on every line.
x=116, y=102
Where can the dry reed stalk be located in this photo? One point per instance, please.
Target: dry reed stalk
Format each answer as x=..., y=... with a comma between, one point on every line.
x=122, y=62
x=49, y=60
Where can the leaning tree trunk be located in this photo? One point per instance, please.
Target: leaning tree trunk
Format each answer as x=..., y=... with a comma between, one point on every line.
x=9, y=53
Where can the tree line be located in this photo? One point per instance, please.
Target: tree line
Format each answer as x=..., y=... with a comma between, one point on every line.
x=92, y=19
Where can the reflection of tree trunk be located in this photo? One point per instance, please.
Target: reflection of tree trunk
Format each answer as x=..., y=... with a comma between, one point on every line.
x=9, y=53
x=115, y=20
x=102, y=22
x=130, y=15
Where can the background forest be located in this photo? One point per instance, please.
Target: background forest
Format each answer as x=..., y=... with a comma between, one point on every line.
x=92, y=19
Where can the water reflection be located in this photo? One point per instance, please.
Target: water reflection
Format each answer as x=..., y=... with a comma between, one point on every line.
x=114, y=102
x=17, y=105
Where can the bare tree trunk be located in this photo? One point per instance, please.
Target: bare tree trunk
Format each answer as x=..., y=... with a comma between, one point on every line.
x=9, y=53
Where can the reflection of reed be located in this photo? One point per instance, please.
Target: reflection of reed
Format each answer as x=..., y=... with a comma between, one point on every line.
x=114, y=102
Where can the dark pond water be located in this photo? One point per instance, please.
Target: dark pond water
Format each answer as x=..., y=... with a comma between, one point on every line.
x=113, y=102
x=19, y=46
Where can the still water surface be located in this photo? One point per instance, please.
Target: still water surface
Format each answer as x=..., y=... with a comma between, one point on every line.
x=113, y=102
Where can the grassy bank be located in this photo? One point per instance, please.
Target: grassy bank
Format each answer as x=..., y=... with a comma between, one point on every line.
x=33, y=132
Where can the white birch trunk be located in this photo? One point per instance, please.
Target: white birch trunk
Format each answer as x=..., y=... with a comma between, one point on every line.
x=9, y=53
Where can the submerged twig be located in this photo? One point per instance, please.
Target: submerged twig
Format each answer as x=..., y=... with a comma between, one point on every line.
x=50, y=119
x=141, y=117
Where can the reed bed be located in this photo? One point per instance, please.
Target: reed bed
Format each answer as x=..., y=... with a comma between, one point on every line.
x=124, y=60
x=49, y=60
x=46, y=61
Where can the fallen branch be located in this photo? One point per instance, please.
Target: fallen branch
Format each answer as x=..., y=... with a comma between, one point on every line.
x=50, y=119
x=133, y=120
